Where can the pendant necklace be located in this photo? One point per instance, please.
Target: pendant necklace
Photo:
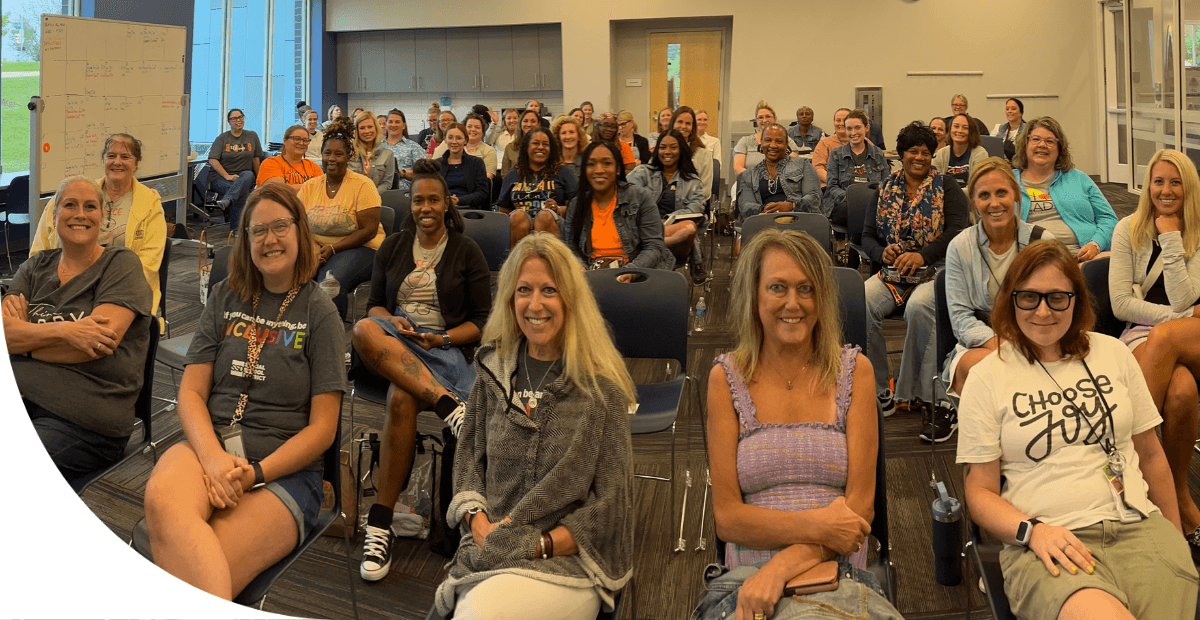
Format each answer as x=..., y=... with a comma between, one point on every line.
x=532, y=403
x=794, y=377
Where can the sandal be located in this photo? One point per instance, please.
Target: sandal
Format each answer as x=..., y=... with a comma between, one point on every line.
x=1193, y=538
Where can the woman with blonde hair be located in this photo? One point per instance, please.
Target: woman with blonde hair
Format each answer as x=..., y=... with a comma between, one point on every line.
x=371, y=158
x=1154, y=282
x=793, y=436
x=553, y=396
x=571, y=143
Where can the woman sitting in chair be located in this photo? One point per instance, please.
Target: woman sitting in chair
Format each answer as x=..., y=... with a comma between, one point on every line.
x=1063, y=416
x=1154, y=282
x=778, y=182
x=611, y=223
x=371, y=158
x=976, y=262
x=793, y=437
x=858, y=161
x=912, y=218
x=77, y=325
x=245, y=488
x=342, y=208
x=552, y=400
x=671, y=179
x=430, y=295
x=963, y=151
x=536, y=193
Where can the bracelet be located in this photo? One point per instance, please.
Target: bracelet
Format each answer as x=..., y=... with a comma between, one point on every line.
x=332, y=249
x=258, y=473
x=542, y=546
x=550, y=544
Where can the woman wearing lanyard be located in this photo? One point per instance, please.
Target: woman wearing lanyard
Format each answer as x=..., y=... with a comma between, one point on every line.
x=1064, y=416
x=290, y=166
x=1154, y=281
x=537, y=192
x=245, y=488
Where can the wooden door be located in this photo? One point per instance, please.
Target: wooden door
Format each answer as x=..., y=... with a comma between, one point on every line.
x=698, y=73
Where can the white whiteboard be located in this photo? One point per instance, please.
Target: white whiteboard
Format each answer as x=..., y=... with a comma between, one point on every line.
x=100, y=77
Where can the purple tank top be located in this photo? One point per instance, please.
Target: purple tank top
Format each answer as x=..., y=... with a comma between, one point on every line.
x=789, y=466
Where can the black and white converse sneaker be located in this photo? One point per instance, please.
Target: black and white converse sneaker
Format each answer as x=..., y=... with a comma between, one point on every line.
x=377, y=553
x=455, y=419
x=943, y=423
x=887, y=402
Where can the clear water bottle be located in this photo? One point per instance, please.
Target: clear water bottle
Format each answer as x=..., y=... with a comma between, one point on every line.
x=330, y=285
x=700, y=312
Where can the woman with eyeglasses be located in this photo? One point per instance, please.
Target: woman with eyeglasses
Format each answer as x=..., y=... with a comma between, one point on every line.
x=1154, y=283
x=371, y=158
x=430, y=297
x=343, y=211
x=746, y=153
x=445, y=119
x=234, y=158
x=245, y=488
x=1087, y=508
x=290, y=166
x=1058, y=196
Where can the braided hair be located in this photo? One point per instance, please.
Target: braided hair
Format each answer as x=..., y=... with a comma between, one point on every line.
x=431, y=170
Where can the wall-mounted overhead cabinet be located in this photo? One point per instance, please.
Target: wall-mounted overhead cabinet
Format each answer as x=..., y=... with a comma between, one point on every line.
x=459, y=60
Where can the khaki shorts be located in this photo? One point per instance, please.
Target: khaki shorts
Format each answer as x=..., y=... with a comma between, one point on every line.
x=1145, y=565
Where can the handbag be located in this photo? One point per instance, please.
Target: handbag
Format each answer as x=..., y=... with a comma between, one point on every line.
x=820, y=578
x=920, y=275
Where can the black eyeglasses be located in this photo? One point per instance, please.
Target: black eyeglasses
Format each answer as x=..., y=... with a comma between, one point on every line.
x=281, y=227
x=237, y=118
x=1055, y=300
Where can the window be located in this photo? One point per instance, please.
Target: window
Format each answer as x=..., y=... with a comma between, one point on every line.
x=231, y=65
x=20, y=62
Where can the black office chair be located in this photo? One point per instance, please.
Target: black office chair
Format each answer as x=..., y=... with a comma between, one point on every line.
x=400, y=200
x=172, y=352
x=16, y=212
x=142, y=409
x=648, y=318
x=946, y=340
x=387, y=219
x=255, y=593
x=490, y=230
x=994, y=145
x=1095, y=273
x=814, y=224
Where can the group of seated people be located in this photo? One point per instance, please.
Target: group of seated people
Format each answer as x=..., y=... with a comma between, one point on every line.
x=1112, y=502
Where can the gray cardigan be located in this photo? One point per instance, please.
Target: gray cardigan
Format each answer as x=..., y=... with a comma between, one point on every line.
x=689, y=196
x=570, y=463
x=1129, y=265
x=967, y=276
x=383, y=167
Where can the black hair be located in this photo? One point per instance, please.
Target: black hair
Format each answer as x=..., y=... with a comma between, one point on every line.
x=431, y=170
x=582, y=205
x=915, y=133
x=687, y=169
x=485, y=115
x=552, y=163
x=1020, y=106
x=231, y=111
x=402, y=117
x=300, y=104
x=340, y=129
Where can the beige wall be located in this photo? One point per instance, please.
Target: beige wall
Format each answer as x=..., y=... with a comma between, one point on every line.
x=1023, y=46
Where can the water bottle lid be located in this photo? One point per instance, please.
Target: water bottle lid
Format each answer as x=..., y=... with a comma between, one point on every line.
x=945, y=508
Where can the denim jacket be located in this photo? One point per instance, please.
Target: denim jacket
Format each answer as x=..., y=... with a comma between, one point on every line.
x=799, y=180
x=809, y=139
x=638, y=226
x=689, y=194
x=839, y=174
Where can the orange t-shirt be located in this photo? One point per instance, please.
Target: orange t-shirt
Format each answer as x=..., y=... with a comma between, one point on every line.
x=606, y=243
x=627, y=153
x=292, y=175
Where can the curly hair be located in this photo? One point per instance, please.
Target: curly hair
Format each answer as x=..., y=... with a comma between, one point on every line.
x=557, y=126
x=341, y=129
x=552, y=163
x=914, y=134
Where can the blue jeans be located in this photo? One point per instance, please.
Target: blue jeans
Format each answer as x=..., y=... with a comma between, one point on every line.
x=75, y=450
x=235, y=191
x=350, y=268
x=918, y=364
x=857, y=597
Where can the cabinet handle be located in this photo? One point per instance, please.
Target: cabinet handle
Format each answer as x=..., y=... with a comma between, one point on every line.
x=484, y=82
x=414, y=82
x=535, y=76
x=421, y=82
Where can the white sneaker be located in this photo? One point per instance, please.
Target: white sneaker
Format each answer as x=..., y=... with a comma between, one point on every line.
x=455, y=419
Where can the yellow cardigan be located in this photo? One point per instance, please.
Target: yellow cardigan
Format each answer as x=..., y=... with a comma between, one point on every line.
x=146, y=234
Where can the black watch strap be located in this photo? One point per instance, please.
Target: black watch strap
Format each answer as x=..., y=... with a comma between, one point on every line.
x=258, y=474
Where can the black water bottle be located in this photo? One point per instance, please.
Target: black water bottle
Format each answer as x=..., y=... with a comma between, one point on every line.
x=947, y=537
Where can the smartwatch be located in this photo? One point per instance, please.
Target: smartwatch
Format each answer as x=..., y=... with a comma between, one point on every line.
x=258, y=473
x=446, y=341
x=1025, y=531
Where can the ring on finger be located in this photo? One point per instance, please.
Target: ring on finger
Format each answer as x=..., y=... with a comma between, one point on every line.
x=1064, y=546
x=760, y=616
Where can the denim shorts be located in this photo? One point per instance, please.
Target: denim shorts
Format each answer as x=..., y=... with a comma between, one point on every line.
x=857, y=597
x=302, y=493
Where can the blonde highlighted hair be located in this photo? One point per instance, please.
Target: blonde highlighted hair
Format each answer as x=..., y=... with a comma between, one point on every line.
x=1141, y=228
x=814, y=261
x=587, y=350
x=361, y=148
x=988, y=166
x=570, y=120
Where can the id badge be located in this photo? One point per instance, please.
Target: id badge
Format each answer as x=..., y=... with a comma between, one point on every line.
x=1116, y=488
x=231, y=440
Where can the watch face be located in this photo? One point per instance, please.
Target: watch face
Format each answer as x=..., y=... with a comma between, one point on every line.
x=1023, y=532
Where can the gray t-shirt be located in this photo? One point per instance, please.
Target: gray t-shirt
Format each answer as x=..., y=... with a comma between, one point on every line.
x=534, y=375
x=237, y=154
x=98, y=395
x=304, y=355
x=1043, y=212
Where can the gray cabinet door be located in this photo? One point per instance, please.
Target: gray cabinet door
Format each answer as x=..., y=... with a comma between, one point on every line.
x=371, y=52
x=496, y=59
x=400, y=62
x=527, y=67
x=431, y=62
x=349, y=63
x=462, y=60
x=550, y=56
